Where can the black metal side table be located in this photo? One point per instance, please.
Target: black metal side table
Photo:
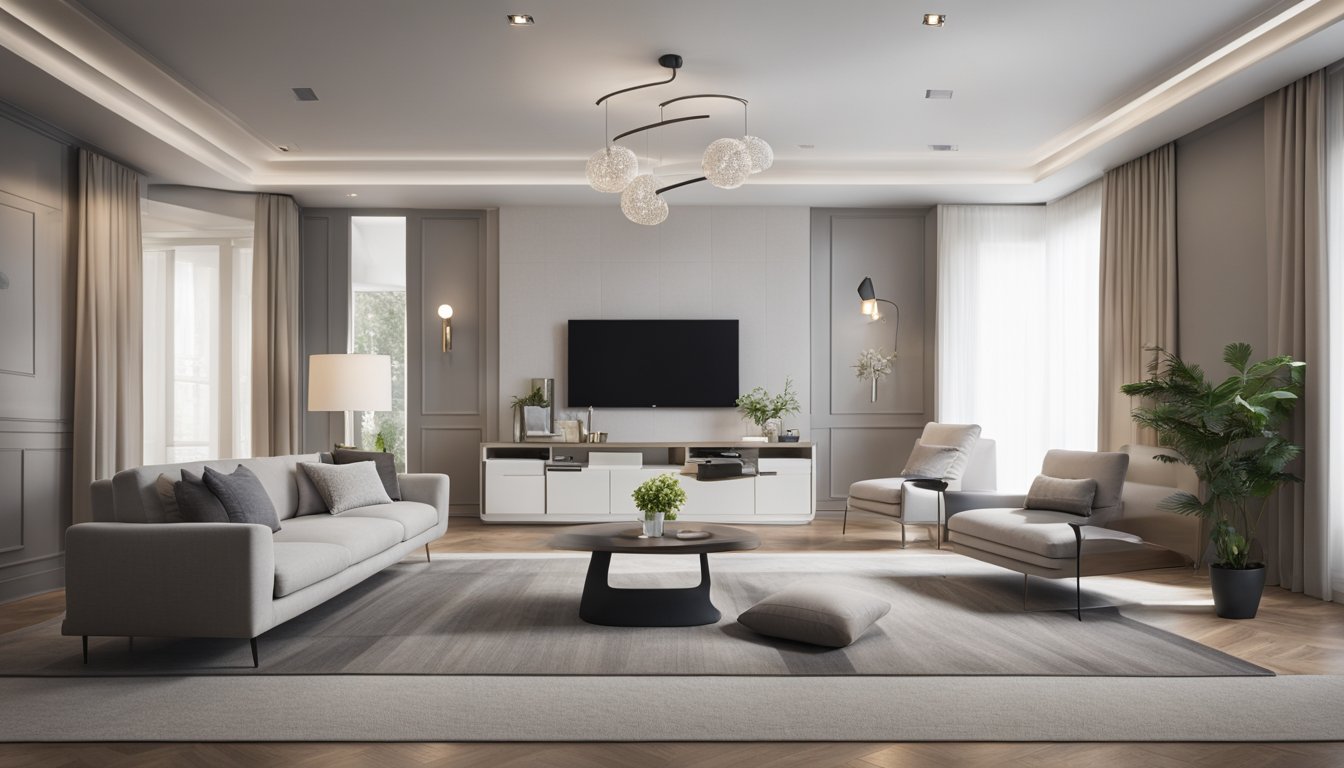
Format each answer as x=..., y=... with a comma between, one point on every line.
x=934, y=484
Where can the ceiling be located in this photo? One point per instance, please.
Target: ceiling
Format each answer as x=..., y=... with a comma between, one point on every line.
x=431, y=103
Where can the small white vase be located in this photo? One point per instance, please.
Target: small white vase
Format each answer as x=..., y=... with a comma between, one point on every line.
x=771, y=429
x=653, y=528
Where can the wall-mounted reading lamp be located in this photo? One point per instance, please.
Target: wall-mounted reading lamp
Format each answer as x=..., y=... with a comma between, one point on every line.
x=446, y=314
x=869, y=302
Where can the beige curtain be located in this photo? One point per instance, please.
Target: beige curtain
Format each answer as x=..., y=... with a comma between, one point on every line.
x=1296, y=530
x=108, y=338
x=1138, y=285
x=276, y=371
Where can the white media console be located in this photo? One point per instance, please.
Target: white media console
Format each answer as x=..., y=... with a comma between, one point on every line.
x=592, y=482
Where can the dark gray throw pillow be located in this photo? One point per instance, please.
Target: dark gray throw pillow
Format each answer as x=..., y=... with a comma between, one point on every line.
x=243, y=497
x=195, y=502
x=385, y=463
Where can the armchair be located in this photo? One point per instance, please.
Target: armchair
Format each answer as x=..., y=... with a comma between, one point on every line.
x=911, y=504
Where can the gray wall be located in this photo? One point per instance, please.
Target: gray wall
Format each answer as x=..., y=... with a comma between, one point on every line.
x=451, y=259
x=858, y=439
x=748, y=264
x=1220, y=238
x=36, y=356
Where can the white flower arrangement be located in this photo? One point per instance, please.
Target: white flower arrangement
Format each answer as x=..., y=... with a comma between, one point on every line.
x=874, y=364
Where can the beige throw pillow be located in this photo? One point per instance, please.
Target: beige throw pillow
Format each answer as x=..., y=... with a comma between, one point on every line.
x=1061, y=495
x=930, y=460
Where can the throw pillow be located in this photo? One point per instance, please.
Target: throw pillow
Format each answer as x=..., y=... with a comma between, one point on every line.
x=1060, y=495
x=930, y=460
x=310, y=501
x=243, y=496
x=347, y=486
x=818, y=614
x=386, y=464
x=168, y=499
x=195, y=502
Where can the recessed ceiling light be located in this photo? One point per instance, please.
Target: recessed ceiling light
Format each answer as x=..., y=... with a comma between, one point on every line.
x=304, y=94
x=284, y=147
x=937, y=93
x=352, y=194
x=520, y=20
x=943, y=147
x=807, y=146
x=935, y=19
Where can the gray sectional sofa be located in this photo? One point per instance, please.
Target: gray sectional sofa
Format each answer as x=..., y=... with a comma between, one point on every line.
x=130, y=573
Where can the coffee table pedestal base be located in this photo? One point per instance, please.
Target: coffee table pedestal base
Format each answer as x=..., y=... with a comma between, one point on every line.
x=612, y=607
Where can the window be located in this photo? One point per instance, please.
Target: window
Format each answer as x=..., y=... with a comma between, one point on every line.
x=197, y=335
x=378, y=321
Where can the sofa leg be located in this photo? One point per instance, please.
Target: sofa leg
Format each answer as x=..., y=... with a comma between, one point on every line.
x=255, y=662
x=1025, y=579
x=86, y=648
x=844, y=521
x=427, y=560
x=902, y=535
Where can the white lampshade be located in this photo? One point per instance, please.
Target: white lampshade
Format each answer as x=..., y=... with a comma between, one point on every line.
x=349, y=383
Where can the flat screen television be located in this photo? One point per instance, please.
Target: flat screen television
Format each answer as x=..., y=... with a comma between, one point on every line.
x=652, y=363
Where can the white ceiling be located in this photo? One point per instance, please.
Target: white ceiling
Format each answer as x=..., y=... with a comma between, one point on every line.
x=429, y=103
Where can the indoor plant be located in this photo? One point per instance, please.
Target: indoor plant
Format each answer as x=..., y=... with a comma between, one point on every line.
x=873, y=366
x=536, y=400
x=762, y=408
x=1229, y=434
x=659, y=498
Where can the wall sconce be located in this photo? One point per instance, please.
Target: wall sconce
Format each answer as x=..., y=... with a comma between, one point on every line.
x=868, y=305
x=446, y=314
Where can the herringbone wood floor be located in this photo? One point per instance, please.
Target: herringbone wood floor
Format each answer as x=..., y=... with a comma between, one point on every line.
x=1292, y=635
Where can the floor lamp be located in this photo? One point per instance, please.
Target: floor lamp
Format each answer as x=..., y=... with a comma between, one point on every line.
x=349, y=383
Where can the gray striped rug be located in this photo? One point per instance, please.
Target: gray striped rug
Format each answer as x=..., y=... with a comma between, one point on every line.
x=518, y=615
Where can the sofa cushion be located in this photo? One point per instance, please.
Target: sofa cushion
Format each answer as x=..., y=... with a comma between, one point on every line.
x=818, y=614
x=1107, y=468
x=195, y=502
x=363, y=537
x=961, y=436
x=310, y=500
x=299, y=564
x=344, y=487
x=243, y=496
x=385, y=463
x=884, y=490
x=1041, y=532
x=413, y=517
x=927, y=460
x=1062, y=495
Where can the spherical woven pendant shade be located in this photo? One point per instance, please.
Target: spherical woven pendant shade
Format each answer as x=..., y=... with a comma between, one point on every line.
x=640, y=201
x=726, y=163
x=612, y=169
x=762, y=156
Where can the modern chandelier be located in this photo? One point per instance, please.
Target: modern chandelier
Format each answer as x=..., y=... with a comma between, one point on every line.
x=727, y=163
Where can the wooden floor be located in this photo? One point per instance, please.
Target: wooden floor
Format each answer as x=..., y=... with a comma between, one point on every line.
x=1292, y=635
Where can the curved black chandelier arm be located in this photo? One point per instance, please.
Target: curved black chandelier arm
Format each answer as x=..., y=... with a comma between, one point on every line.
x=669, y=60
x=670, y=187
x=704, y=96
x=618, y=137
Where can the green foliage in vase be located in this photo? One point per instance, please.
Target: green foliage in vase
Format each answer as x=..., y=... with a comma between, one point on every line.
x=535, y=397
x=660, y=494
x=759, y=406
x=1229, y=434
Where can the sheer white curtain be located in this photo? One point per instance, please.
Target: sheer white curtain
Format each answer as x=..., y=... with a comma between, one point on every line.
x=1334, y=275
x=1017, y=326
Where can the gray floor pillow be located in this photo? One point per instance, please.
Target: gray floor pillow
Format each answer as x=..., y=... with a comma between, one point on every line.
x=819, y=614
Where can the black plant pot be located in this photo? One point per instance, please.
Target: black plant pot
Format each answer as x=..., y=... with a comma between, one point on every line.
x=1236, y=591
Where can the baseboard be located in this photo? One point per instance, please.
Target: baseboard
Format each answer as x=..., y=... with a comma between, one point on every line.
x=30, y=584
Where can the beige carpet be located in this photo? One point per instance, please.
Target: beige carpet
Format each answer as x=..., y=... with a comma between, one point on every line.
x=518, y=615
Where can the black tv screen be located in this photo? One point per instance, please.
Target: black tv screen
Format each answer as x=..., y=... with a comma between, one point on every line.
x=653, y=363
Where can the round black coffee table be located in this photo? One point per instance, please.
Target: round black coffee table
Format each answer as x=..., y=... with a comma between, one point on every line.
x=614, y=607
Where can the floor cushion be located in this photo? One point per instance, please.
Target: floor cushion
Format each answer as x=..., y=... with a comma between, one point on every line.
x=817, y=613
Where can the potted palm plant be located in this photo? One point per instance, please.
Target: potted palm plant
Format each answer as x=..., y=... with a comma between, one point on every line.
x=1229, y=434
x=659, y=498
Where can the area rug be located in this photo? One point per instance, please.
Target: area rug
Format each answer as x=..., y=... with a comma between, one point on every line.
x=518, y=615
